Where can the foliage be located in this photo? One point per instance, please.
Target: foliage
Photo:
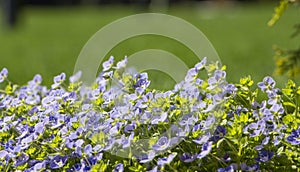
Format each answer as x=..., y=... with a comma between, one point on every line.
x=287, y=61
x=203, y=124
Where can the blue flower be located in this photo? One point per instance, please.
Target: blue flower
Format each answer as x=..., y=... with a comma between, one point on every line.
x=205, y=150
x=202, y=139
x=23, y=158
x=264, y=156
x=3, y=74
x=188, y=157
x=230, y=88
x=267, y=84
x=77, y=166
x=3, y=154
x=226, y=158
x=58, y=80
x=144, y=158
x=88, y=149
x=119, y=168
x=227, y=169
x=86, y=168
x=122, y=63
x=34, y=83
x=166, y=160
x=294, y=138
x=58, y=161
x=219, y=133
x=162, y=144
x=92, y=160
x=75, y=77
x=142, y=81
x=159, y=118
x=201, y=65
x=153, y=170
x=39, y=166
x=108, y=64
x=254, y=167
x=130, y=127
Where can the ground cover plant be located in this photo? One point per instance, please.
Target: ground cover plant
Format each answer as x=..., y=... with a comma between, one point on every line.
x=202, y=124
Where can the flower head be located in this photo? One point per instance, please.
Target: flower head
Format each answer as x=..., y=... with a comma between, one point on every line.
x=108, y=64
x=264, y=156
x=188, y=157
x=58, y=162
x=294, y=138
x=166, y=160
x=119, y=168
x=226, y=169
x=267, y=84
x=3, y=74
x=205, y=150
x=58, y=80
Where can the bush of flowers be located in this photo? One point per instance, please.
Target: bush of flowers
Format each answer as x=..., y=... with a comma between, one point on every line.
x=119, y=124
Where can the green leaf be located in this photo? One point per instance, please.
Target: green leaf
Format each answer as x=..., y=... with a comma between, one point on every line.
x=288, y=119
x=280, y=150
x=98, y=138
x=244, y=117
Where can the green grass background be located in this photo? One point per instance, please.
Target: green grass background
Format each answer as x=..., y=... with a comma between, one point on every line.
x=48, y=40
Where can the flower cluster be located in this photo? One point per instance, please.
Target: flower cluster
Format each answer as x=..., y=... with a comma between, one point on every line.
x=120, y=124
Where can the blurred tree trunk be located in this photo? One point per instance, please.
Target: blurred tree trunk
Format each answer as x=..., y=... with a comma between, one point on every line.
x=10, y=10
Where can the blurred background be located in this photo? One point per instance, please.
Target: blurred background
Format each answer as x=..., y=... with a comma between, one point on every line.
x=46, y=36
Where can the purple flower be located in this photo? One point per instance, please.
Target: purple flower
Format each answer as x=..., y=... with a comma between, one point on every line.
x=3, y=154
x=264, y=156
x=153, y=170
x=79, y=142
x=58, y=161
x=108, y=64
x=265, y=140
x=129, y=128
x=39, y=165
x=3, y=74
x=77, y=166
x=254, y=167
x=160, y=118
x=88, y=150
x=162, y=144
x=226, y=169
x=201, y=65
x=166, y=160
x=188, y=157
x=92, y=160
x=122, y=63
x=23, y=158
x=230, y=88
x=219, y=133
x=294, y=138
x=36, y=81
x=205, y=150
x=58, y=80
x=75, y=77
x=39, y=127
x=219, y=74
x=267, y=84
x=147, y=157
x=86, y=168
x=226, y=158
x=142, y=81
x=277, y=108
x=119, y=168
x=202, y=139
